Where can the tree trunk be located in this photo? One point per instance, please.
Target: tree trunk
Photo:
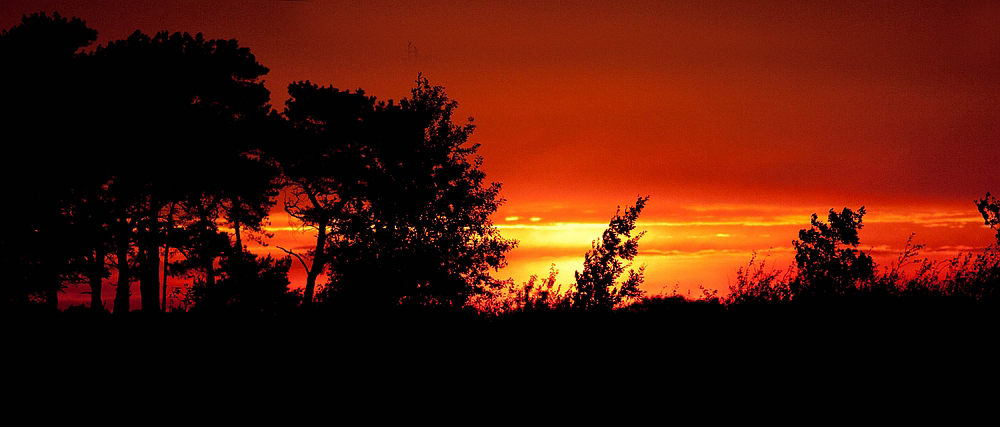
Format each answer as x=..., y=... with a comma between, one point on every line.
x=319, y=259
x=239, y=239
x=149, y=267
x=95, y=275
x=52, y=293
x=236, y=251
x=122, y=294
x=166, y=255
x=95, y=292
x=210, y=273
x=166, y=261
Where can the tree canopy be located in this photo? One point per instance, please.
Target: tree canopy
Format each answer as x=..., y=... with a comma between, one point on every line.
x=826, y=256
x=396, y=194
x=174, y=137
x=596, y=286
x=183, y=121
x=124, y=141
x=321, y=157
x=42, y=77
x=989, y=207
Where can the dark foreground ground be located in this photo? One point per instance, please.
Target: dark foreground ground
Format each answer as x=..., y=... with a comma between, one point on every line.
x=678, y=338
x=765, y=360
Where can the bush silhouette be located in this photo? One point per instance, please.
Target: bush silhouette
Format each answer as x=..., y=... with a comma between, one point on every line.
x=757, y=283
x=248, y=285
x=826, y=257
x=827, y=264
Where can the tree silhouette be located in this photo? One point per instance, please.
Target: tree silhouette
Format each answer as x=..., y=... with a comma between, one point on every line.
x=825, y=266
x=90, y=234
x=607, y=260
x=41, y=76
x=989, y=207
x=419, y=232
x=44, y=40
x=395, y=194
x=325, y=156
x=238, y=190
x=184, y=111
x=248, y=285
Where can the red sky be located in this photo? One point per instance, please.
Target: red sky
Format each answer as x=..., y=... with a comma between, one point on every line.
x=739, y=119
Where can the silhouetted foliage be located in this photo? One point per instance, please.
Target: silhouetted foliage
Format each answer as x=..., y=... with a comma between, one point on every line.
x=396, y=195
x=596, y=286
x=423, y=233
x=41, y=41
x=894, y=282
x=757, y=283
x=169, y=141
x=989, y=207
x=827, y=264
x=41, y=76
x=122, y=139
x=248, y=285
x=201, y=244
x=324, y=157
x=545, y=294
x=676, y=304
x=826, y=258
x=975, y=277
x=90, y=236
x=533, y=295
x=198, y=107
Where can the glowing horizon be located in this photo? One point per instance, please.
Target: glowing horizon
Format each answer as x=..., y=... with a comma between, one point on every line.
x=696, y=254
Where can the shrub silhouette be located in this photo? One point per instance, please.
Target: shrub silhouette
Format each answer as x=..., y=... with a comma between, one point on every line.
x=756, y=283
x=974, y=277
x=606, y=260
x=595, y=287
x=828, y=263
x=248, y=285
x=534, y=295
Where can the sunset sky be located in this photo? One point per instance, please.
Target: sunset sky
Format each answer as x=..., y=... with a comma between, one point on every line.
x=738, y=119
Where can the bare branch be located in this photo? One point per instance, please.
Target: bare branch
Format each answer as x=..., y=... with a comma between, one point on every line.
x=299, y=257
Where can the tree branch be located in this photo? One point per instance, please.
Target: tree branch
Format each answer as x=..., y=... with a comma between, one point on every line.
x=299, y=257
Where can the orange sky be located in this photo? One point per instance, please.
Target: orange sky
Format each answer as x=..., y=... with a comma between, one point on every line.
x=739, y=119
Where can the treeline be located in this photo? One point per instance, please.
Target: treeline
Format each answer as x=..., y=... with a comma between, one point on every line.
x=167, y=143
x=129, y=152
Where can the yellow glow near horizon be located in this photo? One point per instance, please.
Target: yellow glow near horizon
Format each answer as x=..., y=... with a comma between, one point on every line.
x=697, y=246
